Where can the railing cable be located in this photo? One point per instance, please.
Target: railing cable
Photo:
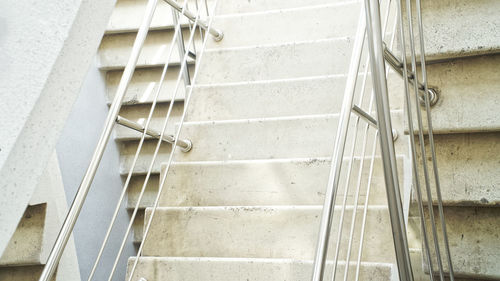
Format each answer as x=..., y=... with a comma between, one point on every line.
x=167, y=168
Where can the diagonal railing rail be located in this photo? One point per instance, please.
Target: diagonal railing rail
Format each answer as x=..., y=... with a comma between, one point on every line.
x=199, y=24
x=371, y=28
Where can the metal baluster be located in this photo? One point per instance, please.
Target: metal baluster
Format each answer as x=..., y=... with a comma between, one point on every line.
x=136, y=156
x=431, y=140
x=76, y=206
x=422, y=144
x=365, y=141
x=377, y=63
x=412, y=137
x=337, y=158
x=164, y=177
x=148, y=174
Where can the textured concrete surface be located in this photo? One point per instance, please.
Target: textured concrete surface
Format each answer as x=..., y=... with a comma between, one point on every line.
x=220, y=269
x=309, y=136
x=39, y=83
x=115, y=49
x=457, y=28
x=144, y=84
x=25, y=246
x=474, y=241
x=21, y=273
x=468, y=95
x=327, y=21
x=273, y=98
x=468, y=169
x=127, y=153
x=280, y=61
x=261, y=232
x=272, y=182
x=242, y=7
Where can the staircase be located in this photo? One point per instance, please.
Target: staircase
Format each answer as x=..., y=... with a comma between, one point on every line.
x=27, y=251
x=245, y=202
x=462, y=45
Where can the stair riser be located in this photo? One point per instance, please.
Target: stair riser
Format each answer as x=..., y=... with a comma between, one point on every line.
x=468, y=95
x=267, y=183
x=140, y=113
x=145, y=83
x=468, y=169
x=261, y=29
x=473, y=240
x=306, y=96
x=156, y=269
x=287, y=232
x=115, y=49
x=271, y=138
x=446, y=37
x=276, y=62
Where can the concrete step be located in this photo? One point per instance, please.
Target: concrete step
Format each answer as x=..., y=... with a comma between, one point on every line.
x=420, y=275
x=128, y=150
x=115, y=49
x=25, y=246
x=274, y=98
x=268, y=182
x=473, y=239
x=127, y=16
x=145, y=83
x=281, y=26
x=140, y=113
x=138, y=226
x=268, y=138
x=282, y=61
x=259, y=232
x=242, y=7
x=468, y=95
x=468, y=169
x=135, y=186
x=237, y=269
x=446, y=37
x=22, y=273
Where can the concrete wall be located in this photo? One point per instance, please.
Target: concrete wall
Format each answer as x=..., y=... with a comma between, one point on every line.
x=75, y=149
x=46, y=47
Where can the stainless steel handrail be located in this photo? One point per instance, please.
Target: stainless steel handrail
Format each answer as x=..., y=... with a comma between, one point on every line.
x=83, y=189
x=218, y=34
x=111, y=119
x=377, y=64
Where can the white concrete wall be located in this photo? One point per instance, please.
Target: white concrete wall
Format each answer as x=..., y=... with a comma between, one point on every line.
x=46, y=48
x=75, y=148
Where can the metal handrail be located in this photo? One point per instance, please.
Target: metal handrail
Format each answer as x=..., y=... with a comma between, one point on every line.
x=425, y=96
x=112, y=119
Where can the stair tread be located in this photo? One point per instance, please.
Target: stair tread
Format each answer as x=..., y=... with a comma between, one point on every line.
x=253, y=231
x=243, y=269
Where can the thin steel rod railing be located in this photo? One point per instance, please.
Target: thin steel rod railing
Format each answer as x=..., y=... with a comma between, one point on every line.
x=422, y=146
x=180, y=45
x=377, y=64
x=136, y=156
x=428, y=104
x=83, y=189
x=167, y=168
x=337, y=158
x=408, y=103
x=361, y=165
x=157, y=149
x=217, y=34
